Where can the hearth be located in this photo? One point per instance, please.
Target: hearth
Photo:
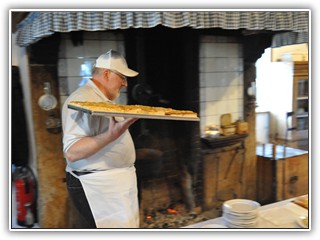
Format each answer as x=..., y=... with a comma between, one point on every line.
x=174, y=217
x=167, y=178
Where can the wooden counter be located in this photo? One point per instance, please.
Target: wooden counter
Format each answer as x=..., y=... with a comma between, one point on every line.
x=282, y=175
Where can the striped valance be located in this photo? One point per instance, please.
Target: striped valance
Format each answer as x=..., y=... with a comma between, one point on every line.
x=44, y=23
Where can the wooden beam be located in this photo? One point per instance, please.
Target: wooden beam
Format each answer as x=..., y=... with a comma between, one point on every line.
x=53, y=204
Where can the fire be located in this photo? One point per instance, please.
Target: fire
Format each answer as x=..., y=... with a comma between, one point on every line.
x=170, y=210
x=148, y=217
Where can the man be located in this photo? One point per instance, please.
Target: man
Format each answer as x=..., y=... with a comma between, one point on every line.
x=99, y=151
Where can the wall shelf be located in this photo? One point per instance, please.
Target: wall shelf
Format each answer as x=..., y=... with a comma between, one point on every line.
x=222, y=141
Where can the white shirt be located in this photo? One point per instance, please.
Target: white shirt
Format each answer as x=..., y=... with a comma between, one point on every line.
x=76, y=124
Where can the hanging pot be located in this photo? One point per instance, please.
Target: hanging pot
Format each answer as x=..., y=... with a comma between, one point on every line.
x=47, y=101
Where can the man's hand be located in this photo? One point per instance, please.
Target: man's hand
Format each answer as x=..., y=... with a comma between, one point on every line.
x=116, y=129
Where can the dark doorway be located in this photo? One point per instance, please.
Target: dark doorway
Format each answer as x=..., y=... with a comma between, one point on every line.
x=168, y=62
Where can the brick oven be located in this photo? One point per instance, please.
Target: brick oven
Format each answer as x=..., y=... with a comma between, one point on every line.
x=168, y=179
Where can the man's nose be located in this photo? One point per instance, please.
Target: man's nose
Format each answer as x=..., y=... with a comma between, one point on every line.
x=125, y=83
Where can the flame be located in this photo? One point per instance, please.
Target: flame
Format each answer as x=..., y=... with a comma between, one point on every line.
x=148, y=217
x=171, y=211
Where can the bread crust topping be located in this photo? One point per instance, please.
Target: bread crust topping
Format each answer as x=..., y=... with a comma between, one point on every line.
x=132, y=109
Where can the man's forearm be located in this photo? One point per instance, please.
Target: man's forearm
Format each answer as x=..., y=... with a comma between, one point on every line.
x=87, y=146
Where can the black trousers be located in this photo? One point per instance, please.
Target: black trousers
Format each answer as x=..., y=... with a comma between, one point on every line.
x=80, y=201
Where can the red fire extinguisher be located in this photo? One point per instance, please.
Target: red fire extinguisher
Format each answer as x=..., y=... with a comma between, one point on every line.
x=25, y=186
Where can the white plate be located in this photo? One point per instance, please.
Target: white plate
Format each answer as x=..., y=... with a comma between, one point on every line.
x=301, y=221
x=234, y=225
x=240, y=216
x=241, y=206
x=241, y=223
x=239, y=219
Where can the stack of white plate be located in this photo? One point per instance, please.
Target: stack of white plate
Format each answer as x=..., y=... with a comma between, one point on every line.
x=240, y=213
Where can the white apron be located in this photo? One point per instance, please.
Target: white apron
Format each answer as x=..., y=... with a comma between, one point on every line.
x=112, y=196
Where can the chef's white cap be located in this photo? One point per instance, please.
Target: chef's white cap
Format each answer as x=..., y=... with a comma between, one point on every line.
x=113, y=60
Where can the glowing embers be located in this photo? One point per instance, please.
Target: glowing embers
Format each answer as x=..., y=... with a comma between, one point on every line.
x=171, y=217
x=153, y=213
x=172, y=211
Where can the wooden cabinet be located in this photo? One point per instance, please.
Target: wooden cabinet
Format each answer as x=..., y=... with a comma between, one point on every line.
x=224, y=171
x=283, y=175
x=301, y=104
x=290, y=95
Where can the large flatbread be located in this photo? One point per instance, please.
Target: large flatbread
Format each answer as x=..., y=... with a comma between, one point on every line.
x=302, y=201
x=132, y=109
